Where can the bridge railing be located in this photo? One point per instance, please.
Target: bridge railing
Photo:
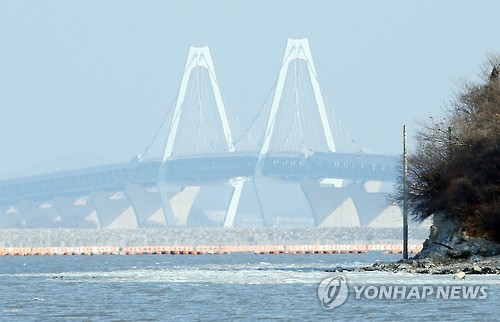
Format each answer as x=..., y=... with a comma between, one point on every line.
x=67, y=182
x=199, y=169
x=205, y=168
x=332, y=165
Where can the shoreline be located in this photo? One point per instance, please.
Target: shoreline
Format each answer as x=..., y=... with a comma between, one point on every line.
x=477, y=265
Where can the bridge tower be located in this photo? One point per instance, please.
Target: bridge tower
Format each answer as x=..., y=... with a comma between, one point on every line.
x=297, y=51
x=300, y=124
x=198, y=125
x=199, y=58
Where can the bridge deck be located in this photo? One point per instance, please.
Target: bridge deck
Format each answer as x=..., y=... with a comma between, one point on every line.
x=199, y=170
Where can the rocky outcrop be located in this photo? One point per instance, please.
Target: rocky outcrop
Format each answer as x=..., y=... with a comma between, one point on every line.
x=473, y=265
x=449, y=249
x=448, y=241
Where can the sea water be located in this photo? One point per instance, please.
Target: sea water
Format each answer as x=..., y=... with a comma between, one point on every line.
x=220, y=287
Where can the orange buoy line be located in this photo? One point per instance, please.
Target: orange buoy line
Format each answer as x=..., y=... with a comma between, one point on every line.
x=202, y=250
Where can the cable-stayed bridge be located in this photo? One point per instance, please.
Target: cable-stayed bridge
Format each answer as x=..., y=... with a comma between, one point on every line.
x=295, y=165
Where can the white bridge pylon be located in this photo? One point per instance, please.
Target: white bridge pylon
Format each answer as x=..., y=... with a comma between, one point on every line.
x=297, y=49
x=198, y=57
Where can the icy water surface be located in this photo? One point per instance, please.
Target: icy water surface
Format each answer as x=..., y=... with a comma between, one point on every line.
x=217, y=287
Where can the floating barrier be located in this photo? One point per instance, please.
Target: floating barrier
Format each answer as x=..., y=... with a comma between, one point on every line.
x=208, y=250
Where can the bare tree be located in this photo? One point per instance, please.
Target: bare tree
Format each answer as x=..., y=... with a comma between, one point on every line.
x=455, y=168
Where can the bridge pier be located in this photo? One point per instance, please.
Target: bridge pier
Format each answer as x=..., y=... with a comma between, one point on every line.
x=390, y=216
x=11, y=217
x=212, y=204
x=40, y=214
x=113, y=209
x=177, y=202
x=331, y=206
x=372, y=205
x=283, y=202
x=77, y=212
x=234, y=203
x=147, y=205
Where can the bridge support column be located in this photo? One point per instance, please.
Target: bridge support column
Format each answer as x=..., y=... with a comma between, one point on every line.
x=11, y=217
x=211, y=205
x=177, y=202
x=372, y=206
x=147, y=205
x=331, y=206
x=77, y=212
x=282, y=203
x=233, y=204
x=40, y=214
x=113, y=209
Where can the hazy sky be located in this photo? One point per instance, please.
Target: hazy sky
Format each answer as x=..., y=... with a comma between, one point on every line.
x=93, y=80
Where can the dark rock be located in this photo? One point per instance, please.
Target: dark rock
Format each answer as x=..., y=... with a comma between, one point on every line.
x=457, y=253
x=449, y=265
x=403, y=266
x=475, y=258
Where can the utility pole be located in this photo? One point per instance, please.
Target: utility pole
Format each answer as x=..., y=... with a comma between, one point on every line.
x=405, y=197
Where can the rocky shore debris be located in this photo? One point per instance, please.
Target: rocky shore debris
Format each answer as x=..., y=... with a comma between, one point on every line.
x=448, y=250
x=473, y=265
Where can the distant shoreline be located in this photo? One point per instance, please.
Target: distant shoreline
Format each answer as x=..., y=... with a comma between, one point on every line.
x=210, y=250
x=260, y=236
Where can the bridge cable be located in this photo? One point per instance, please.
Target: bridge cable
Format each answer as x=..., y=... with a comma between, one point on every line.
x=335, y=117
x=296, y=80
x=159, y=136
